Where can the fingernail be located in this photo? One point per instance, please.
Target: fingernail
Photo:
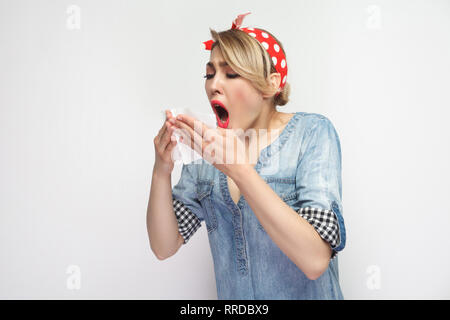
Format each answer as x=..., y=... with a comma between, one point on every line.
x=179, y=117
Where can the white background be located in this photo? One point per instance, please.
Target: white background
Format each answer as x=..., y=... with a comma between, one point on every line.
x=80, y=109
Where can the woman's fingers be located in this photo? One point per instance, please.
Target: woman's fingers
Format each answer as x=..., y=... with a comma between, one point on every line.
x=162, y=140
x=205, y=145
x=166, y=135
x=190, y=138
x=165, y=127
x=164, y=145
x=168, y=129
x=165, y=139
x=162, y=130
x=170, y=146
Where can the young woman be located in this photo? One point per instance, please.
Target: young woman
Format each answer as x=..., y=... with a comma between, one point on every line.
x=274, y=224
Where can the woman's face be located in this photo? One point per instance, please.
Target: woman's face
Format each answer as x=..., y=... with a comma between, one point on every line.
x=242, y=101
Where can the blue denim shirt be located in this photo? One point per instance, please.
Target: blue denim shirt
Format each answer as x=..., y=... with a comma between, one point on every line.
x=303, y=166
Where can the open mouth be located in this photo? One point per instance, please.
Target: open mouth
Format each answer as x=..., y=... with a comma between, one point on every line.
x=222, y=115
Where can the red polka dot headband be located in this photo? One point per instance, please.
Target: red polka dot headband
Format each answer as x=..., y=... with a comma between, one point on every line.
x=268, y=42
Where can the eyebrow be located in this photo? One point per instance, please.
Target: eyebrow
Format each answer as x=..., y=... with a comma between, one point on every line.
x=221, y=63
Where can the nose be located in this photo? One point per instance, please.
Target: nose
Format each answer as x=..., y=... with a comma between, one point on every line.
x=215, y=85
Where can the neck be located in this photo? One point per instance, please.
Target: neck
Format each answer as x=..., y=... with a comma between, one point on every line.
x=264, y=128
x=267, y=119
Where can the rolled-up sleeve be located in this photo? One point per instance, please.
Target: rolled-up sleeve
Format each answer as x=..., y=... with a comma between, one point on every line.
x=186, y=206
x=319, y=186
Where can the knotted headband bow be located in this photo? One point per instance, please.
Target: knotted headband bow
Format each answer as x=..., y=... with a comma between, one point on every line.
x=267, y=41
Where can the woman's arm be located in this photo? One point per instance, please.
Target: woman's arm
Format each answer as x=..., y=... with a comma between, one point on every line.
x=162, y=225
x=293, y=234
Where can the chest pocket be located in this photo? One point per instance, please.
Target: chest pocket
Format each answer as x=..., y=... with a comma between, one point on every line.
x=205, y=196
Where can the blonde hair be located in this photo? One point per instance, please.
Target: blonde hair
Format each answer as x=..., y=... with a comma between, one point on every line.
x=247, y=57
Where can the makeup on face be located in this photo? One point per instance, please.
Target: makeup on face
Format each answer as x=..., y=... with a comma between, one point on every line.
x=221, y=112
x=219, y=108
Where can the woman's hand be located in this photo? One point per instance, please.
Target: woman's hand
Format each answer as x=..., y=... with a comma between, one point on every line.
x=164, y=145
x=223, y=148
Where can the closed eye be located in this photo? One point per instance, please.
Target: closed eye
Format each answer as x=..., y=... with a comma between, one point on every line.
x=231, y=76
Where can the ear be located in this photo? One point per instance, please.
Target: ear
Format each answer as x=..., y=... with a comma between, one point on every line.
x=275, y=79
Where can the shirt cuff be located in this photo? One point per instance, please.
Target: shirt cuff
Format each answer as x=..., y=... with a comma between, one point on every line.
x=326, y=224
x=188, y=222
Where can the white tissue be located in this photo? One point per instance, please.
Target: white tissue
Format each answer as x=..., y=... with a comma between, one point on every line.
x=182, y=152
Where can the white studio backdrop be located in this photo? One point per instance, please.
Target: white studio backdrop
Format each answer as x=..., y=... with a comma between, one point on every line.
x=82, y=86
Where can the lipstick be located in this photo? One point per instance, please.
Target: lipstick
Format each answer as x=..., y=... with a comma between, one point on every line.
x=221, y=112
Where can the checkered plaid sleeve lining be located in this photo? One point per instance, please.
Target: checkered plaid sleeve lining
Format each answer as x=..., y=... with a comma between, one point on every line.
x=325, y=223
x=188, y=222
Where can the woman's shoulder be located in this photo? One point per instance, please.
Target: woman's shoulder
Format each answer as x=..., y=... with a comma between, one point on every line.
x=312, y=117
x=310, y=121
